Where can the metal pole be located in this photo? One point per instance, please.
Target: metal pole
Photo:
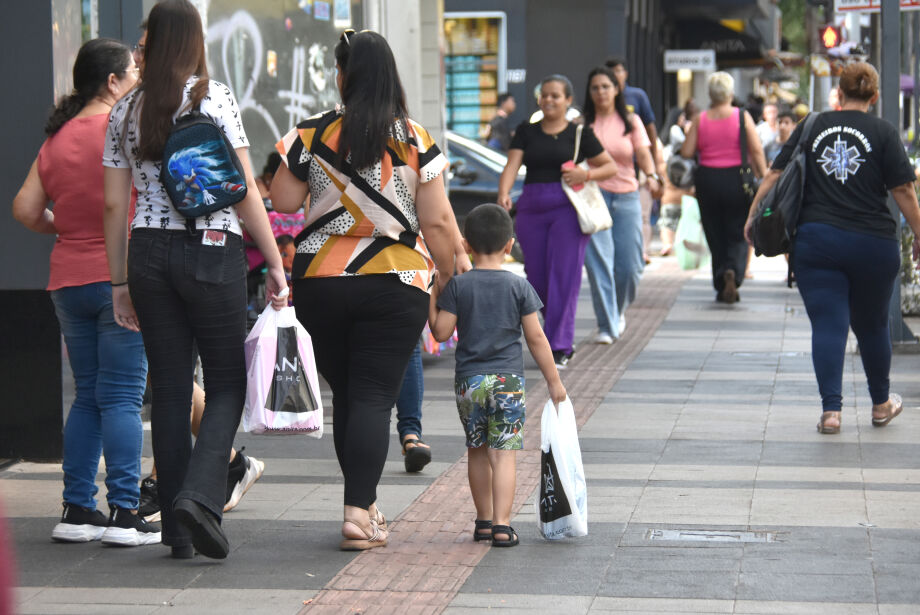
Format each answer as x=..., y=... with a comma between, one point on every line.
x=891, y=82
x=915, y=70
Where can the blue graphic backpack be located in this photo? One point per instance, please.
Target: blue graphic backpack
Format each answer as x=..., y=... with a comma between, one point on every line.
x=201, y=172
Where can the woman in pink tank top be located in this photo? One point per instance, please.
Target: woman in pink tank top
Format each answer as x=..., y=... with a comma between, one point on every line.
x=715, y=136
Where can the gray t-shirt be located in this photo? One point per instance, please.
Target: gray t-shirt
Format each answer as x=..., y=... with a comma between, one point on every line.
x=489, y=304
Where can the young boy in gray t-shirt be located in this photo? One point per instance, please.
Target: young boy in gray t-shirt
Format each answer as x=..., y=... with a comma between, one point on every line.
x=490, y=307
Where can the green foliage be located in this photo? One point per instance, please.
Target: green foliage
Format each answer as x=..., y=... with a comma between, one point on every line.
x=794, y=24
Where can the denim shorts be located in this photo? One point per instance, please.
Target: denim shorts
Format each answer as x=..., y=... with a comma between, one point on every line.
x=491, y=409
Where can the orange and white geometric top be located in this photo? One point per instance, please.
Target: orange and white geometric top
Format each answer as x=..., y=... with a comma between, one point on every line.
x=361, y=222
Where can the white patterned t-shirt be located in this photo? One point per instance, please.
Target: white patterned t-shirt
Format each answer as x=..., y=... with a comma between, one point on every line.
x=154, y=209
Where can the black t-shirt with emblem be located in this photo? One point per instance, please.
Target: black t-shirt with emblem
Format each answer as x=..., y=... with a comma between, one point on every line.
x=853, y=159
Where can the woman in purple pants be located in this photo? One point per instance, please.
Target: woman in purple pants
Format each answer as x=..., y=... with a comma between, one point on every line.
x=546, y=224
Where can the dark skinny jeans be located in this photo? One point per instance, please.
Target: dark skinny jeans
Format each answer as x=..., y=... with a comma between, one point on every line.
x=364, y=329
x=186, y=293
x=846, y=280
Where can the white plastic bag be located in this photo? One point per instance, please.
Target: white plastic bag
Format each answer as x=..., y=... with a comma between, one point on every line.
x=562, y=500
x=282, y=388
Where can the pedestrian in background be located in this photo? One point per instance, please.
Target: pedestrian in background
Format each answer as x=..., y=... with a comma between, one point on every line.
x=362, y=271
x=614, y=257
x=637, y=101
x=108, y=362
x=546, y=223
x=846, y=254
x=490, y=308
x=499, y=136
x=716, y=136
x=186, y=279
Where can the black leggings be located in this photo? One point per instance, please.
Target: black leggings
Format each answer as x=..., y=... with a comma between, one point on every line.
x=723, y=211
x=364, y=329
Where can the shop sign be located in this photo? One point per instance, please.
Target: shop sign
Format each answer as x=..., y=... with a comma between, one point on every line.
x=689, y=59
x=872, y=6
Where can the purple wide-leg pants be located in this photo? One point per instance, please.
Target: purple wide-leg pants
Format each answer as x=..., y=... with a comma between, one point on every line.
x=554, y=254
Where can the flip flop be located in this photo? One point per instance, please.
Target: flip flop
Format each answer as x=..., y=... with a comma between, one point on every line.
x=823, y=427
x=896, y=406
x=377, y=539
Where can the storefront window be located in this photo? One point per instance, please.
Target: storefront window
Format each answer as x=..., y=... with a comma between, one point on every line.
x=474, y=70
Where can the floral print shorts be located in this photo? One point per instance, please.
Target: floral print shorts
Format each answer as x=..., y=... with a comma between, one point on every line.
x=491, y=409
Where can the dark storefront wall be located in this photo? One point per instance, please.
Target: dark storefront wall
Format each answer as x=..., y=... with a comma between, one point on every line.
x=545, y=38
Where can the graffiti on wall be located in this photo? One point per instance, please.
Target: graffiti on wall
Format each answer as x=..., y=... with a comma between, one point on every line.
x=279, y=65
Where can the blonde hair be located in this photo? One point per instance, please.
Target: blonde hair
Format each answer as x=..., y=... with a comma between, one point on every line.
x=721, y=87
x=859, y=81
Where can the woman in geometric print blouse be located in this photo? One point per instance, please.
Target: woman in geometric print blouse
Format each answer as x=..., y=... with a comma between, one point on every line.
x=362, y=269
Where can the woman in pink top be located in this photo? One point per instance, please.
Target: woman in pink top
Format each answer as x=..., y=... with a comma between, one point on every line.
x=716, y=135
x=614, y=258
x=108, y=362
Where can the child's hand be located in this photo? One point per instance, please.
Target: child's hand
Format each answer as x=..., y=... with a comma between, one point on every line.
x=557, y=393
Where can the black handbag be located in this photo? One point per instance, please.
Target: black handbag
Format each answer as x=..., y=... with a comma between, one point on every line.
x=748, y=183
x=777, y=215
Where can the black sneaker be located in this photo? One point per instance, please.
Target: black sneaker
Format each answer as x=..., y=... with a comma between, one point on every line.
x=149, y=504
x=243, y=473
x=127, y=529
x=79, y=524
x=562, y=358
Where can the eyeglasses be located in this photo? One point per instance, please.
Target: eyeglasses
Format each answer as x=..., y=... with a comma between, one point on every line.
x=138, y=48
x=136, y=71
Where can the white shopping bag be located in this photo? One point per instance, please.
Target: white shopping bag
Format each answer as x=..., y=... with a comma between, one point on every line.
x=282, y=388
x=562, y=500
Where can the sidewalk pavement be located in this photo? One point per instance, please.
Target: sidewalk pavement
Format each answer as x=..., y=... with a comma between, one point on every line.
x=709, y=491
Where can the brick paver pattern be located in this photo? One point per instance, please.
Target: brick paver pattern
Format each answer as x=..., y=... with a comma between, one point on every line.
x=430, y=551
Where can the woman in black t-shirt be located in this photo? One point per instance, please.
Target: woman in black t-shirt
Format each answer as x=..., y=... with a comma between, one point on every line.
x=546, y=224
x=846, y=251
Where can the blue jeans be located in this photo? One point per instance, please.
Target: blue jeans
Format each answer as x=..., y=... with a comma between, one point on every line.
x=409, y=404
x=614, y=261
x=110, y=372
x=187, y=293
x=846, y=280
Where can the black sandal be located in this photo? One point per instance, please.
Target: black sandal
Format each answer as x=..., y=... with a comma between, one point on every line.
x=504, y=529
x=417, y=457
x=482, y=524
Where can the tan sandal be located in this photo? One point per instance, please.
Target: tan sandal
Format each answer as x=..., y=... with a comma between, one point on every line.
x=377, y=539
x=823, y=427
x=379, y=519
x=894, y=409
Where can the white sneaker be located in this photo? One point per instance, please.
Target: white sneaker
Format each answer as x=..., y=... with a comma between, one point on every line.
x=79, y=525
x=240, y=486
x=622, y=326
x=130, y=530
x=603, y=338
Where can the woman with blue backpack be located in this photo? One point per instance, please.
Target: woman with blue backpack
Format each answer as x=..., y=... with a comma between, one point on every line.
x=181, y=280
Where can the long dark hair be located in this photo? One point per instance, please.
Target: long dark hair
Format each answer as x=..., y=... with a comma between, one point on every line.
x=173, y=52
x=375, y=103
x=619, y=101
x=96, y=60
